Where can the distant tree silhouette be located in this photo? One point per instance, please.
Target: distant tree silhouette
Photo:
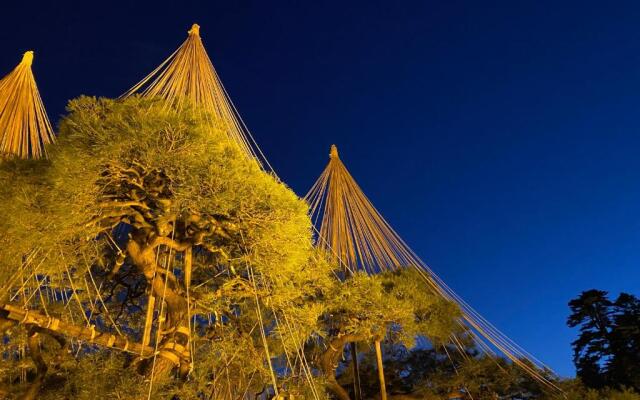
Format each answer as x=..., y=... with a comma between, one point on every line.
x=624, y=367
x=607, y=351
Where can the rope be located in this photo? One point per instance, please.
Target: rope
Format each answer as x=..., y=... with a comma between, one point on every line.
x=356, y=234
x=24, y=125
x=6, y=287
x=20, y=274
x=74, y=291
x=188, y=76
x=99, y=297
x=456, y=370
x=262, y=331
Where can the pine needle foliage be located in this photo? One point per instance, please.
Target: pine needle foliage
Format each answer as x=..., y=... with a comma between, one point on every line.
x=166, y=181
x=188, y=78
x=141, y=199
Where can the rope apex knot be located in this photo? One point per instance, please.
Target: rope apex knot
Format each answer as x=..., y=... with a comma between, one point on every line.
x=333, y=153
x=27, y=58
x=195, y=30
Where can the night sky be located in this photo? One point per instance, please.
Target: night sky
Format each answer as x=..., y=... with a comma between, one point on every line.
x=500, y=139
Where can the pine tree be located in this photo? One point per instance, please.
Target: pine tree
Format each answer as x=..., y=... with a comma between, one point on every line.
x=149, y=256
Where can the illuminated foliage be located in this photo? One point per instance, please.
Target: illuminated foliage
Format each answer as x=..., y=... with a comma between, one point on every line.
x=142, y=202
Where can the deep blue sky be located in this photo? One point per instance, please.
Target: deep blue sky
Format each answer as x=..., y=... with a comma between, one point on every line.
x=500, y=139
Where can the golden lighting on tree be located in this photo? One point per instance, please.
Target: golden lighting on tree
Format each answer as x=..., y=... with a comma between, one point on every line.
x=358, y=237
x=188, y=77
x=152, y=248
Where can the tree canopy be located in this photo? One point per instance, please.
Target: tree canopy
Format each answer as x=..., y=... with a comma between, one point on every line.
x=148, y=256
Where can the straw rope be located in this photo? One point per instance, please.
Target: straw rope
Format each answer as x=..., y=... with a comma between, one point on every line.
x=356, y=234
x=24, y=126
x=188, y=76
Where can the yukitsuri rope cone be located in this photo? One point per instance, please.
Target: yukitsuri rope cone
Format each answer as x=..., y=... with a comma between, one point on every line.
x=24, y=126
x=188, y=76
x=357, y=235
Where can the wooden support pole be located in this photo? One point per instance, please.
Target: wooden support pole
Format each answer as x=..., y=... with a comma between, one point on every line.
x=188, y=261
x=86, y=333
x=383, y=388
x=148, y=322
x=356, y=371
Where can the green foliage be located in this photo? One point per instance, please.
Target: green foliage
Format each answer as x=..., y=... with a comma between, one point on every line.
x=420, y=311
x=394, y=306
x=393, y=303
x=425, y=373
x=207, y=175
x=96, y=376
x=130, y=187
x=157, y=172
x=574, y=389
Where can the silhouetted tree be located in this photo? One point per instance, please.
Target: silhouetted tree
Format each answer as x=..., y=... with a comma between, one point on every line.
x=607, y=351
x=624, y=367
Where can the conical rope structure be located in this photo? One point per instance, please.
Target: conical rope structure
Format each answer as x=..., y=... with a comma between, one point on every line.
x=349, y=226
x=188, y=76
x=186, y=79
x=25, y=129
x=352, y=230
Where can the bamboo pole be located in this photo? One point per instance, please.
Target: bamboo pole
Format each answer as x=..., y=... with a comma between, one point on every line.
x=188, y=260
x=383, y=388
x=86, y=333
x=148, y=323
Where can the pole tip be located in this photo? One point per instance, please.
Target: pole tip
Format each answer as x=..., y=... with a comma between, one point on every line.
x=27, y=58
x=333, y=153
x=195, y=30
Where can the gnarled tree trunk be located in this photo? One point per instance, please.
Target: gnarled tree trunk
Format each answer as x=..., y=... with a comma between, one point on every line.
x=35, y=353
x=173, y=347
x=329, y=363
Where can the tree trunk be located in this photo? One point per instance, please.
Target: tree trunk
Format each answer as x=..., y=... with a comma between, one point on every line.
x=33, y=340
x=329, y=363
x=41, y=368
x=174, y=334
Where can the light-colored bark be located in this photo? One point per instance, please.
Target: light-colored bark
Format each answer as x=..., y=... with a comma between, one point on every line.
x=329, y=363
